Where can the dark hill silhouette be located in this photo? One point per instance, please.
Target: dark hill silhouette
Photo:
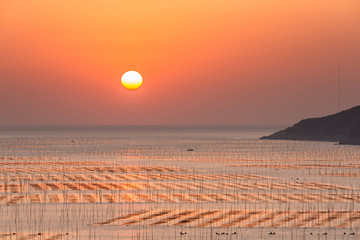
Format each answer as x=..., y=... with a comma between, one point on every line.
x=353, y=138
x=342, y=127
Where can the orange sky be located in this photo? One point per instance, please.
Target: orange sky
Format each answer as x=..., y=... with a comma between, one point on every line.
x=203, y=62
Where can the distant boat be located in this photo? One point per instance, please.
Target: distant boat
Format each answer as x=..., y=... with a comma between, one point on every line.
x=190, y=149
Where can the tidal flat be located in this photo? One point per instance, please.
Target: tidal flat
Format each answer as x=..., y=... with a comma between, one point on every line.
x=175, y=183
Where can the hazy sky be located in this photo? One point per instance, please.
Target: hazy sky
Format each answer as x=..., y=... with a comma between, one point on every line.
x=202, y=61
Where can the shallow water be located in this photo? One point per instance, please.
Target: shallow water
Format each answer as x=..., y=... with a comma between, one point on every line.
x=91, y=182
x=166, y=143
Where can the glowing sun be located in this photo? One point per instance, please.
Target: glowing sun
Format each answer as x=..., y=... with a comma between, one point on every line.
x=131, y=80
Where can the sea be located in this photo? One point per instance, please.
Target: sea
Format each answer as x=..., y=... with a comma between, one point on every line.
x=167, y=143
x=174, y=182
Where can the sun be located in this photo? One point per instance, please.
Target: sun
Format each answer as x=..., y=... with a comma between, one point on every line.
x=131, y=80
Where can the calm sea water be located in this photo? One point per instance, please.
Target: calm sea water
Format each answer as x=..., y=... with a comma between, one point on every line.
x=217, y=151
x=166, y=143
